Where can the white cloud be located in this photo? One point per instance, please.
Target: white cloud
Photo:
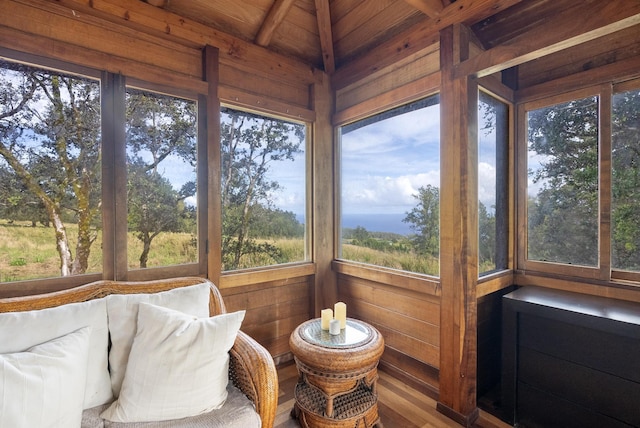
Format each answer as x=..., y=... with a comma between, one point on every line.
x=487, y=184
x=385, y=194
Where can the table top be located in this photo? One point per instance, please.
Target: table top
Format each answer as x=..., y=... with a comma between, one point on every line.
x=356, y=333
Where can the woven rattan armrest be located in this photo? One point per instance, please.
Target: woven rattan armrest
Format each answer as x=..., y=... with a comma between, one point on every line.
x=253, y=371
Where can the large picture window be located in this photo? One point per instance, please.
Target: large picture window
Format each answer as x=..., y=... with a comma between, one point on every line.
x=50, y=173
x=263, y=188
x=390, y=188
x=161, y=134
x=625, y=200
x=563, y=192
x=76, y=148
x=493, y=184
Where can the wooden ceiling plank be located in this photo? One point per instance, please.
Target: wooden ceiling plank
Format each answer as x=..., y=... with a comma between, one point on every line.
x=274, y=18
x=555, y=35
x=431, y=8
x=323, y=14
x=417, y=37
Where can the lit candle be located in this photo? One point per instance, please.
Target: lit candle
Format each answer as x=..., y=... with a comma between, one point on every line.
x=340, y=310
x=334, y=327
x=326, y=317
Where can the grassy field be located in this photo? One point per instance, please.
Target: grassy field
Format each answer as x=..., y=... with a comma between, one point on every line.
x=29, y=253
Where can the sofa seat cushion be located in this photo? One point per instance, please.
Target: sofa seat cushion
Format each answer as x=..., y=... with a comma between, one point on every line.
x=237, y=412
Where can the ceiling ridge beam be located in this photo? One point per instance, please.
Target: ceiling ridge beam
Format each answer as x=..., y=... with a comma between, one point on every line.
x=323, y=14
x=274, y=18
x=603, y=18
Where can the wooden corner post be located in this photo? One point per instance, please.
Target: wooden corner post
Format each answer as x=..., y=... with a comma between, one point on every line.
x=209, y=138
x=458, y=230
x=325, y=291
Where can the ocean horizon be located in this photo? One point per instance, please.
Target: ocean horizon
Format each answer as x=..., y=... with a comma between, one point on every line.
x=376, y=222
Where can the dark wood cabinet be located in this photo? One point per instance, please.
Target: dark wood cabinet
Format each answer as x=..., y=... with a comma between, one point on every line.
x=570, y=360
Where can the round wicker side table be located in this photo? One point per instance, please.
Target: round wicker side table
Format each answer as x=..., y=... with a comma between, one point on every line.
x=337, y=375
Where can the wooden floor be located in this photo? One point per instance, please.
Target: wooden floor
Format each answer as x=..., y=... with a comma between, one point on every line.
x=399, y=406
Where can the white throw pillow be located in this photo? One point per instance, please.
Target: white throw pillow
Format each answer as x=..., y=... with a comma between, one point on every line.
x=44, y=385
x=122, y=312
x=22, y=330
x=178, y=366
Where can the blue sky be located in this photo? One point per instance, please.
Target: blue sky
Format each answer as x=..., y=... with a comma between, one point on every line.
x=383, y=166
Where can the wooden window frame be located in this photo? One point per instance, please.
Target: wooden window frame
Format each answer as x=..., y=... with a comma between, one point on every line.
x=603, y=273
x=114, y=264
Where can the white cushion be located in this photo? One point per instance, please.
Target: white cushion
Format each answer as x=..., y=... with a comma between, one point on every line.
x=122, y=312
x=44, y=385
x=22, y=330
x=178, y=366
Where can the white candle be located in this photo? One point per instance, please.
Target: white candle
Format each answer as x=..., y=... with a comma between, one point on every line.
x=326, y=316
x=340, y=310
x=334, y=327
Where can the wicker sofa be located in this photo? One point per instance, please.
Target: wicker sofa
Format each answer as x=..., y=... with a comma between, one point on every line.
x=251, y=368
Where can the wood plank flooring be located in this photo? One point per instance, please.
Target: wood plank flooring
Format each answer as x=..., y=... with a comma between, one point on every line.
x=399, y=406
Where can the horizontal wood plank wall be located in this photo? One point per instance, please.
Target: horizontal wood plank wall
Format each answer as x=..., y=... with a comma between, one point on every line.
x=147, y=43
x=603, y=51
x=274, y=310
x=408, y=320
x=410, y=69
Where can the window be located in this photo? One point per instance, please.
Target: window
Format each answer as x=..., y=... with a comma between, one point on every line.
x=263, y=190
x=50, y=173
x=625, y=200
x=390, y=188
x=493, y=173
x=63, y=190
x=563, y=192
x=161, y=134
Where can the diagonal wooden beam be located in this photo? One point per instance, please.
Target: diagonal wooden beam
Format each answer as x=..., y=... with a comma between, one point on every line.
x=323, y=15
x=274, y=18
x=555, y=34
x=417, y=38
x=431, y=8
x=157, y=3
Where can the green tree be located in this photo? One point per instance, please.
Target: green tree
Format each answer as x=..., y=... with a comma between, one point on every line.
x=250, y=144
x=17, y=203
x=487, y=238
x=50, y=138
x=563, y=216
x=158, y=127
x=152, y=207
x=425, y=221
x=625, y=242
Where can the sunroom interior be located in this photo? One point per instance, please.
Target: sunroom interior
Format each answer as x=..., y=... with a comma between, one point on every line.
x=460, y=71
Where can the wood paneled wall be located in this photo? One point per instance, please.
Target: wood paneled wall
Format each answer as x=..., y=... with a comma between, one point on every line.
x=409, y=321
x=274, y=310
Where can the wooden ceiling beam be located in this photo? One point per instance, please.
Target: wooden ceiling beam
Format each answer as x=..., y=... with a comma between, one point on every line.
x=323, y=15
x=554, y=35
x=274, y=18
x=417, y=38
x=157, y=3
x=431, y=8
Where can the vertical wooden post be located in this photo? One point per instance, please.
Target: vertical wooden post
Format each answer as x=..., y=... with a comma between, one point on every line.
x=211, y=105
x=458, y=231
x=114, y=171
x=322, y=215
